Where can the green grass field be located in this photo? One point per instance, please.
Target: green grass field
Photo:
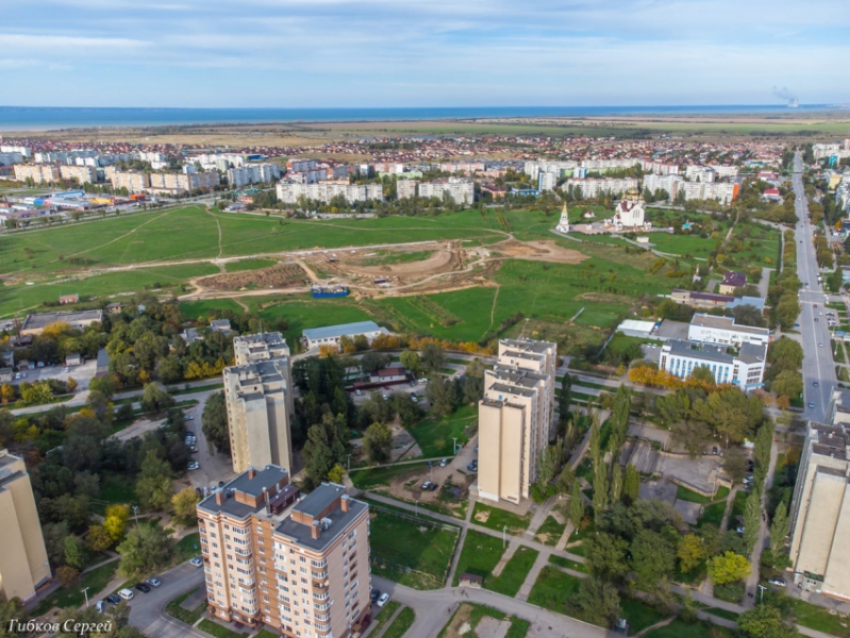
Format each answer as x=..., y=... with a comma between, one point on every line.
x=248, y=264
x=684, y=494
x=435, y=434
x=414, y=554
x=514, y=573
x=96, y=580
x=712, y=514
x=681, y=629
x=479, y=555
x=497, y=519
x=401, y=624
x=560, y=561
x=553, y=590
x=367, y=479
x=550, y=532
x=639, y=614
x=819, y=618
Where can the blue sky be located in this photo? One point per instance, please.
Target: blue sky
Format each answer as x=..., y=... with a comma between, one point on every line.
x=395, y=53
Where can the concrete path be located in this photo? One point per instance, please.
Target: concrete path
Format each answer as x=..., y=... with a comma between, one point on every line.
x=755, y=558
x=528, y=583
x=387, y=624
x=540, y=515
x=508, y=554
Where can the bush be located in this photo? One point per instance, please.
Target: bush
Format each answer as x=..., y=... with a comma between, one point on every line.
x=730, y=592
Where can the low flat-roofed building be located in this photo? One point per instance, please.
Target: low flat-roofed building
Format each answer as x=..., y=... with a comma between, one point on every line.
x=706, y=300
x=724, y=330
x=744, y=369
x=635, y=328
x=35, y=324
x=330, y=335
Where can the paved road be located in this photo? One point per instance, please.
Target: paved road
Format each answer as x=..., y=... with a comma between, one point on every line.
x=818, y=364
x=147, y=611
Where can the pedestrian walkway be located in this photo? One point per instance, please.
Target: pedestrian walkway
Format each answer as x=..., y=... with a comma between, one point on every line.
x=528, y=584
x=540, y=515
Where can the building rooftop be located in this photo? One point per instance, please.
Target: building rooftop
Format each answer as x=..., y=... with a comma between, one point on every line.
x=330, y=332
x=512, y=389
x=266, y=480
x=528, y=345
x=707, y=352
x=734, y=278
x=331, y=525
x=523, y=378
x=41, y=320
x=752, y=353
x=725, y=323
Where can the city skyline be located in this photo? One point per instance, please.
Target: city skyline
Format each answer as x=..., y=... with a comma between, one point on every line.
x=335, y=53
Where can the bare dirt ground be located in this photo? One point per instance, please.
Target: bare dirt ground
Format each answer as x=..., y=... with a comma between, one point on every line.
x=408, y=486
x=459, y=625
x=538, y=251
x=277, y=276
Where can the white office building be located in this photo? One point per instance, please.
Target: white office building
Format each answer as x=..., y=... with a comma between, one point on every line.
x=547, y=181
x=745, y=369
x=724, y=331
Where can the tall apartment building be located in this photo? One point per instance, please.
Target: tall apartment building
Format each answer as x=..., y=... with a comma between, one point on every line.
x=182, y=182
x=514, y=418
x=289, y=192
x=547, y=180
x=82, y=174
x=461, y=190
x=11, y=148
x=299, y=565
x=23, y=557
x=820, y=512
x=670, y=183
x=723, y=192
x=259, y=401
x=406, y=188
x=252, y=174
x=594, y=187
x=133, y=181
x=10, y=158
x=38, y=173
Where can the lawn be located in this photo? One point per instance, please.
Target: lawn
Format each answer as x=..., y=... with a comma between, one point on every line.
x=738, y=505
x=712, y=514
x=96, y=580
x=497, y=519
x=415, y=554
x=381, y=476
x=819, y=618
x=681, y=629
x=248, y=264
x=550, y=532
x=480, y=554
x=208, y=308
x=401, y=624
x=114, y=489
x=383, y=615
x=435, y=434
x=553, y=589
x=639, y=614
x=514, y=573
x=219, y=631
x=722, y=493
x=684, y=494
x=566, y=562
x=186, y=548
x=303, y=312
x=190, y=617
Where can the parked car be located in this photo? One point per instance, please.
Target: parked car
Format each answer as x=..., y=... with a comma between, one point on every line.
x=197, y=562
x=383, y=600
x=358, y=392
x=143, y=587
x=472, y=467
x=112, y=598
x=426, y=485
x=190, y=433
x=100, y=605
x=815, y=384
x=126, y=594
x=414, y=398
x=740, y=529
x=444, y=463
x=375, y=595
x=188, y=418
x=154, y=582
x=811, y=405
x=193, y=465
x=776, y=582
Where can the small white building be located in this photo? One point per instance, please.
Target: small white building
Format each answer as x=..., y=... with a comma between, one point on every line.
x=330, y=335
x=637, y=328
x=745, y=369
x=723, y=330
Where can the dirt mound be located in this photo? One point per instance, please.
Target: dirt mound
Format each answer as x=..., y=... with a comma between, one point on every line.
x=538, y=251
x=278, y=276
x=437, y=262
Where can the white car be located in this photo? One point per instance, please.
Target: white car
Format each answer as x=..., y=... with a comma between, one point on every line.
x=444, y=463
x=154, y=582
x=383, y=600
x=193, y=465
x=126, y=594
x=197, y=562
x=776, y=582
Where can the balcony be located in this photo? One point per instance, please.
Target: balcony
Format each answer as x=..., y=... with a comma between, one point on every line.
x=243, y=552
x=320, y=575
x=323, y=595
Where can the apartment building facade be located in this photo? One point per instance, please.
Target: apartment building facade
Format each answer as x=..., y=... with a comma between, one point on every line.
x=461, y=190
x=82, y=174
x=514, y=418
x=820, y=512
x=252, y=174
x=744, y=369
x=595, y=187
x=133, y=181
x=23, y=556
x=289, y=192
x=258, y=398
x=297, y=564
x=38, y=173
x=183, y=182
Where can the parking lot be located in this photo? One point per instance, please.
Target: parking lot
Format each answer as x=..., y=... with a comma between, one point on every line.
x=82, y=374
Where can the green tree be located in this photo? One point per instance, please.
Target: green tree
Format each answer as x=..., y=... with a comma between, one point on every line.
x=765, y=621
x=652, y=558
x=547, y=465
x=433, y=357
x=411, y=361
x=378, y=442
x=214, y=423
x=565, y=398
x=600, y=491
x=155, y=485
x=690, y=552
x=441, y=396
x=752, y=520
x=325, y=448
x=606, y=556
x=145, y=549
x=728, y=568
x=779, y=528
x=616, y=482
x=184, y=505
x=631, y=484
x=74, y=552
x=787, y=383
x=576, y=505
x=785, y=354
x=598, y=601
x=336, y=474
x=54, y=535
x=155, y=397
x=115, y=521
x=595, y=442
x=736, y=464
x=98, y=538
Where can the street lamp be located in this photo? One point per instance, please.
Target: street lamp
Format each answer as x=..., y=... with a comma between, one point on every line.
x=761, y=589
x=86, y=594
x=454, y=447
x=136, y=515
x=504, y=536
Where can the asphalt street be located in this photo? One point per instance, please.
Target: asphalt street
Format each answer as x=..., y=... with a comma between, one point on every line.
x=818, y=365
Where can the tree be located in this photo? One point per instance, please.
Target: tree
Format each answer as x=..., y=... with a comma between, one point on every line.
x=184, y=504
x=433, y=357
x=652, y=558
x=765, y=621
x=616, y=482
x=154, y=487
x=145, y=549
x=54, y=535
x=98, y=538
x=324, y=448
x=600, y=491
x=576, y=505
x=752, y=520
x=690, y=552
x=728, y=568
x=787, y=383
x=7, y=393
x=214, y=423
x=441, y=397
x=595, y=442
x=336, y=474
x=606, y=556
x=631, y=484
x=378, y=442
x=599, y=601
x=565, y=398
x=779, y=528
x=73, y=552
x=115, y=521
x=547, y=465
x=736, y=464
x=155, y=397
x=68, y=576
x=71, y=384
x=411, y=361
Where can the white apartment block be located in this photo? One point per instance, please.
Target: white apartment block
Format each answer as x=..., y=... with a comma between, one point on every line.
x=703, y=174
x=722, y=192
x=745, y=369
x=63, y=157
x=82, y=174
x=133, y=181
x=724, y=331
x=461, y=190
x=11, y=148
x=300, y=164
x=218, y=161
x=547, y=181
x=38, y=173
x=150, y=156
x=670, y=183
x=820, y=510
x=289, y=192
x=515, y=417
x=596, y=187
x=183, y=182
x=532, y=169
x=602, y=164
x=660, y=168
x=11, y=157
x=406, y=188
x=252, y=174
x=297, y=564
x=724, y=172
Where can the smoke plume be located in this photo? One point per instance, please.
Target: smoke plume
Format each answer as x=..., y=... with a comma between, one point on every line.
x=783, y=93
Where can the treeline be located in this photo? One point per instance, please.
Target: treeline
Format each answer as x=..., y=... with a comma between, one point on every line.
x=782, y=295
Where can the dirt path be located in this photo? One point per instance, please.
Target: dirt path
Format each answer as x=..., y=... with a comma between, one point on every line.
x=112, y=241
x=493, y=311
x=310, y=272
x=218, y=225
